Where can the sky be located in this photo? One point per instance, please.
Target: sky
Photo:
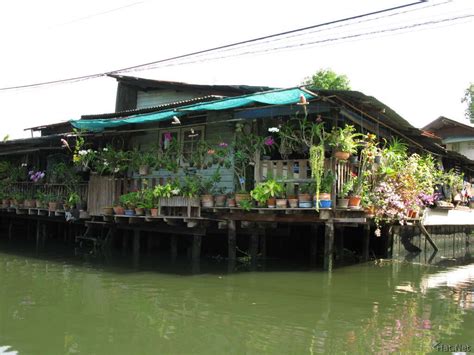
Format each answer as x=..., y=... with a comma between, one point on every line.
x=418, y=60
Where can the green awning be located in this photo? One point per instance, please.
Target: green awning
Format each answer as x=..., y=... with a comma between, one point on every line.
x=274, y=97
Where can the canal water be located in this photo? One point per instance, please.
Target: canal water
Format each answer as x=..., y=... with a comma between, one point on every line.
x=57, y=303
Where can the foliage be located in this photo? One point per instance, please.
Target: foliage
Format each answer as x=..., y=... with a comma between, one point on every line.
x=130, y=200
x=167, y=190
x=246, y=205
x=316, y=159
x=73, y=198
x=345, y=139
x=327, y=181
x=247, y=146
x=110, y=161
x=347, y=187
x=264, y=190
x=327, y=79
x=139, y=158
x=468, y=98
x=209, y=185
x=300, y=134
x=191, y=185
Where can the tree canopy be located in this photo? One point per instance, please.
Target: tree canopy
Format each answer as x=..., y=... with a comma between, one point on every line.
x=469, y=100
x=327, y=79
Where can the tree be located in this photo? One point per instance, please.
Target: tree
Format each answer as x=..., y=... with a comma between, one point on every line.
x=327, y=79
x=469, y=100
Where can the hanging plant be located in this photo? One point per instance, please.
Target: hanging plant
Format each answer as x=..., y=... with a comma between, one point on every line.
x=316, y=158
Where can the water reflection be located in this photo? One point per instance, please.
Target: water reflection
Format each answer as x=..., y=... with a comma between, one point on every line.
x=63, y=306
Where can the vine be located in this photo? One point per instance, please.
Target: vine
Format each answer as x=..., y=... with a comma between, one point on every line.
x=316, y=158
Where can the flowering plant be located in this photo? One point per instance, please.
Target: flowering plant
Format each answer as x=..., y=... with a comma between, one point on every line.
x=36, y=176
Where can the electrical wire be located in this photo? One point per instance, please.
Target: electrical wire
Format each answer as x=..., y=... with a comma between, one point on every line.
x=98, y=75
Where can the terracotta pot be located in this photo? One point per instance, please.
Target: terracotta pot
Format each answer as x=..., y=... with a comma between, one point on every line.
x=139, y=211
x=281, y=202
x=293, y=202
x=271, y=202
x=324, y=196
x=119, y=210
x=30, y=203
x=231, y=202
x=154, y=212
x=39, y=204
x=107, y=211
x=342, y=202
x=342, y=155
x=219, y=200
x=5, y=203
x=241, y=197
x=354, y=201
x=14, y=203
x=144, y=170
x=304, y=197
x=207, y=201
x=53, y=206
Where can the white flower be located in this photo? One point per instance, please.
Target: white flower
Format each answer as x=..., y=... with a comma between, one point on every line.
x=24, y=164
x=106, y=163
x=89, y=150
x=175, y=191
x=116, y=170
x=105, y=149
x=273, y=130
x=82, y=152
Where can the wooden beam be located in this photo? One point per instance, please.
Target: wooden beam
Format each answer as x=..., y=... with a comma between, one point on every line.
x=232, y=240
x=427, y=235
x=328, y=246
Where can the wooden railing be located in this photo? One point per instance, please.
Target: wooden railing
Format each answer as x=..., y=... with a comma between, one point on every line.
x=299, y=171
x=31, y=189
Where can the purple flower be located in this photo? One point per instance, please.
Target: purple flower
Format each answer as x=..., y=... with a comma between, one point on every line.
x=269, y=141
x=223, y=145
x=168, y=136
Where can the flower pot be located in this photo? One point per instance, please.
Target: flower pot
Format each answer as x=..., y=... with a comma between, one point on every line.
x=144, y=170
x=14, y=203
x=281, y=202
x=107, y=211
x=39, y=204
x=129, y=212
x=324, y=196
x=271, y=202
x=342, y=202
x=354, y=201
x=241, y=197
x=5, y=203
x=342, y=155
x=304, y=197
x=207, y=201
x=139, y=211
x=325, y=203
x=30, y=203
x=293, y=202
x=154, y=212
x=231, y=202
x=219, y=200
x=119, y=210
x=53, y=206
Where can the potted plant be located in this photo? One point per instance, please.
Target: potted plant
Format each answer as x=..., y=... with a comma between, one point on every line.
x=118, y=208
x=326, y=185
x=73, y=199
x=304, y=195
x=273, y=188
x=343, y=201
x=129, y=200
x=281, y=200
x=260, y=194
x=142, y=161
x=344, y=141
x=208, y=188
x=220, y=198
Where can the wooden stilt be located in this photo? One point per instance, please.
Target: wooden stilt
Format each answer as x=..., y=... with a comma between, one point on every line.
x=328, y=245
x=232, y=240
x=136, y=248
x=339, y=240
x=10, y=229
x=196, y=250
x=38, y=233
x=313, y=250
x=254, y=244
x=263, y=244
x=174, y=247
x=366, y=242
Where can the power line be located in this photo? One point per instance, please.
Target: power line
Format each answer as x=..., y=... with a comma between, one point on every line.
x=98, y=75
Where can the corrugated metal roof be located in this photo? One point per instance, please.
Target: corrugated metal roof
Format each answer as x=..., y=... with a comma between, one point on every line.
x=150, y=84
x=152, y=109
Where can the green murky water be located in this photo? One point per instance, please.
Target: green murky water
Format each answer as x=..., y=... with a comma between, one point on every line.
x=64, y=305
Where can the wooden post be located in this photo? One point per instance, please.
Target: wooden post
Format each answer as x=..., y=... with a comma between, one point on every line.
x=196, y=252
x=174, y=247
x=254, y=244
x=263, y=244
x=124, y=240
x=366, y=242
x=38, y=233
x=328, y=245
x=136, y=247
x=339, y=241
x=10, y=229
x=232, y=240
x=313, y=251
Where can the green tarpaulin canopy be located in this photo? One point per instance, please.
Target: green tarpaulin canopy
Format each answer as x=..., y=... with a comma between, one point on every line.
x=275, y=97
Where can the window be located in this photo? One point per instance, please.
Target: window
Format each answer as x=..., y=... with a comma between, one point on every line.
x=187, y=138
